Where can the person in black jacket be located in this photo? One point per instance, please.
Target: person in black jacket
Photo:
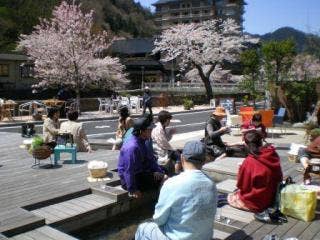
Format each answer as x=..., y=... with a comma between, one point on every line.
x=213, y=133
x=147, y=101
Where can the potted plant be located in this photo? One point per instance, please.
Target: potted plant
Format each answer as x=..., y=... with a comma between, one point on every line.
x=188, y=104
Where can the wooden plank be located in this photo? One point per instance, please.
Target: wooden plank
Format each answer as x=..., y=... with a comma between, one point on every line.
x=55, y=234
x=47, y=216
x=297, y=229
x=261, y=232
x=217, y=235
x=237, y=214
x=90, y=199
x=246, y=231
x=22, y=237
x=17, y=220
x=282, y=229
x=311, y=231
x=37, y=235
x=227, y=186
x=61, y=211
x=84, y=205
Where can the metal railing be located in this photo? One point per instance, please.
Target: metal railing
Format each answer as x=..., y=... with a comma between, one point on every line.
x=197, y=87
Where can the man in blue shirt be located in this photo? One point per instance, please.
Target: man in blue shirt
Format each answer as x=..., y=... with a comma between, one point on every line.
x=187, y=202
x=137, y=167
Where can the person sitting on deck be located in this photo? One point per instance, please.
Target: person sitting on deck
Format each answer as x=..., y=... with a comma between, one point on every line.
x=213, y=133
x=77, y=131
x=258, y=177
x=255, y=123
x=51, y=127
x=137, y=167
x=168, y=157
x=187, y=202
x=311, y=152
x=125, y=123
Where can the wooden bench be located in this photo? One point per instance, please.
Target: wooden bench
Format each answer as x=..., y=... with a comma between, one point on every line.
x=222, y=169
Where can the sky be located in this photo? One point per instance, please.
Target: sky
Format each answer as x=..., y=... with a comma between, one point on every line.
x=263, y=16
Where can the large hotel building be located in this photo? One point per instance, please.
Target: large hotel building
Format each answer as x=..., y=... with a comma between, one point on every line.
x=170, y=12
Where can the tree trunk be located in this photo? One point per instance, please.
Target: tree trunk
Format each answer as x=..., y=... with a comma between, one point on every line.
x=78, y=99
x=284, y=101
x=206, y=80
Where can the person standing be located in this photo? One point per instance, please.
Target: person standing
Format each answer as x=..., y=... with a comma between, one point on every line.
x=187, y=203
x=147, y=100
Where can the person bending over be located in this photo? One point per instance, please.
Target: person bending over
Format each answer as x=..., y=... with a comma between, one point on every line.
x=137, y=167
x=187, y=202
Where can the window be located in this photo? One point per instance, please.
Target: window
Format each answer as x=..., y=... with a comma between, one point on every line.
x=4, y=70
x=27, y=70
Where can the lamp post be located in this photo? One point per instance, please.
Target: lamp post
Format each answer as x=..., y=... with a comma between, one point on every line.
x=142, y=77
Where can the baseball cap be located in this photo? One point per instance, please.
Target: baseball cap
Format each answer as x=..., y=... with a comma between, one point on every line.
x=194, y=151
x=143, y=124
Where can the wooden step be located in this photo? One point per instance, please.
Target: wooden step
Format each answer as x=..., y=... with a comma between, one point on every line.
x=227, y=186
x=73, y=209
x=222, y=169
x=43, y=233
x=229, y=219
x=18, y=220
x=219, y=235
x=116, y=193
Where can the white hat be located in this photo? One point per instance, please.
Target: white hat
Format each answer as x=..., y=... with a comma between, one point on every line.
x=146, y=87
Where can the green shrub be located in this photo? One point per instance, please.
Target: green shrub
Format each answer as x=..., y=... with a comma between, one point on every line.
x=315, y=132
x=188, y=104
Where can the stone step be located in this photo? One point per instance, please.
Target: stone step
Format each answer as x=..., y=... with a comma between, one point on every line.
x=42, y=233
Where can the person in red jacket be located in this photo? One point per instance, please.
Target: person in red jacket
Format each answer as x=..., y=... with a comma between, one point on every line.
x=258, y=176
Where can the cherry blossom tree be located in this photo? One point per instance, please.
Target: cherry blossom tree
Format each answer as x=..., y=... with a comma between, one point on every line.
x=67, y=53
x=304, y=75
x=198, y=45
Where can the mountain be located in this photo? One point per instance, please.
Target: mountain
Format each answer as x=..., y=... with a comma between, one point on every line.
x=304, y=42
x=124, y=18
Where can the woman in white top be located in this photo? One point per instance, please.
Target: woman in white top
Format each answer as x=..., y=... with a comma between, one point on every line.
x=75, y=128
x=167, y=155
x=51, y=127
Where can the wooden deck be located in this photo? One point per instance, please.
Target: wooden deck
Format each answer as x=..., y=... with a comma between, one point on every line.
x=234, y=224
x=31, y=198
x=24, y=188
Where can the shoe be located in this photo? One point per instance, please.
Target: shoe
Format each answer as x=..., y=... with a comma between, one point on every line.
x=263, y=216
x=222, y=200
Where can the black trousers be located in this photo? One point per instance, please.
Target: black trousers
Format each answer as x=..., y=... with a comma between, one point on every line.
x=145, y=182
x=145, y=107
